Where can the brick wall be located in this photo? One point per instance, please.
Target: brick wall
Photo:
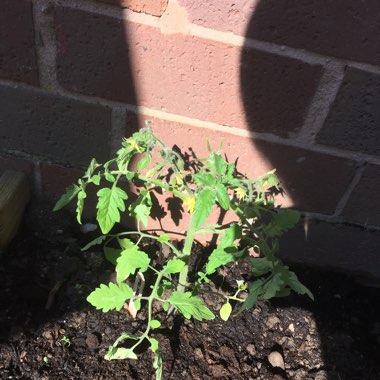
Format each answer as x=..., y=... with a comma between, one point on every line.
x=284, y=84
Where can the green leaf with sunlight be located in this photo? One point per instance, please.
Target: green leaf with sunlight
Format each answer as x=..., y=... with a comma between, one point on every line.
x=110, y=203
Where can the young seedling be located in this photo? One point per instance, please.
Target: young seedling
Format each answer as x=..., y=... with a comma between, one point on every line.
x=201, y=185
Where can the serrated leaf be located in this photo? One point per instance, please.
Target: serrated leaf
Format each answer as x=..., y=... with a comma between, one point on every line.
x=174, y=266
x=109, y=177
x=111, y=201
x=143, y=163
x=255, y=290
x=95, y=179
x=297, y=286
x=225, y=311
x=91, y=168
x=222, y=196
x=66, y=198
x=217, y=164
x=155, y=324
x=190, y=306
x=80, y=204
x=219, y=257
x=261, y=266
x=204, y=179
x=112, y=254
x=111, y=297
x=129, y=261
x=204, y=203
x=283, y=220
x=97, y=241
x=119, y=353
x=272, y=286
x=232, y=233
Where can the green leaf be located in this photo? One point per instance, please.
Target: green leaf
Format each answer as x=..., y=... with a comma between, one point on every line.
x=97, y=241
x=141, y=207
x=164, y=238
x=153, y=344
x=66, y=198
x=255, y=290
x=219, y=257
x=190, y=306
x=297, y=286
x=217, y=164
x=204, y=179
x=80, y=204
x=222, y=196
x=155, y=324
x=204, y=203
x=225, y=311
x=91, y=168
x=109, y=177
x=232, y=233
x=284, y=220
x=129, y=261
x=272, y=286
x=143, y=163
x=110, y=202
x=111, y=297
x=112, y=254
x=95, y=179
x=261, y=266
x=119, y=353
x=174, y=266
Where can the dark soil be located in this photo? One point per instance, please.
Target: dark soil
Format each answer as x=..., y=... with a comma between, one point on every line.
x=45, y=278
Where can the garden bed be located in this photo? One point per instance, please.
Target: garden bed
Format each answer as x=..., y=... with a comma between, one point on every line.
x=49, y=331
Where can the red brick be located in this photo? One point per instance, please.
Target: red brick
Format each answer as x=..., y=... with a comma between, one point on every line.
x=18, y=60
x=364, y=204
x=152, y=7
x=227, y=15
x=17, y=164
x=354, y=118
x=345, y=29
x=334, y=246
x=183, y=74
x=313, y=181
x=342, y=28
x=51, y=126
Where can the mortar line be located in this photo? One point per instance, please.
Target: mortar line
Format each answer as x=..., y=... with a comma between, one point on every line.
x=37, y=178
x=198, y=123
x=214, y=35
x=336, y=220
x=118, y=127
x=45, y=44
x=350, y=188
x=321, y=103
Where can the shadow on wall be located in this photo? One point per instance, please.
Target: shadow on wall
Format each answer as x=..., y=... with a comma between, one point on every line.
x=279, y=94
x=307, y=96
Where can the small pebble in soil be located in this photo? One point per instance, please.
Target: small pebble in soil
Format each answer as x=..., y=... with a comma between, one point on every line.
x=251, y=350
x=272, y=322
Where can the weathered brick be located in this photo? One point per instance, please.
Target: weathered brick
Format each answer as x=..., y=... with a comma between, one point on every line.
x=364, y=203
x=227, y=16
x=52, y=126
x=152, y=7
x=342, y=28
x=313, y=181
x=334, y=246
x=353, y=122
x=182, y=74
x=18, y=59
x=17, y=164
